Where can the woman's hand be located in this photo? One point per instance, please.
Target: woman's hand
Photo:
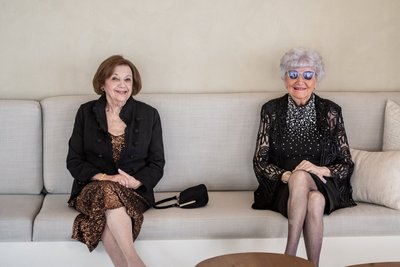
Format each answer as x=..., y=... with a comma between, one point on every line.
x=319, y=171
x=126, y=180
x=122, y=178
x=286, y=176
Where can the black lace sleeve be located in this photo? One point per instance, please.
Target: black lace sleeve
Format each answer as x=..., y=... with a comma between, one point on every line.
x=264, y=170
x=342, y=167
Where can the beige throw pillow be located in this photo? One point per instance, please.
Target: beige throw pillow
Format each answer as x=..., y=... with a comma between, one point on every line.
x=376, y=177
x=391, y=130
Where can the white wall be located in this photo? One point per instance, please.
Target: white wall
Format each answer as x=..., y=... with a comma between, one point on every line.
x=50, y=47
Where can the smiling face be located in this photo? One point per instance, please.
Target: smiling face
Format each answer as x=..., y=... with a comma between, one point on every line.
x=118, y=87
x=300, y=89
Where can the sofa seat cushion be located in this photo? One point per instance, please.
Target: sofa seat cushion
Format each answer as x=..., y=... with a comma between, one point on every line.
x=228, y=214
x=55, y=219
x=17, y=213
x=365, y=219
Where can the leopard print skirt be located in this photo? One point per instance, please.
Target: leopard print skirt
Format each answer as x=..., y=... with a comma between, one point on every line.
x=94, y=200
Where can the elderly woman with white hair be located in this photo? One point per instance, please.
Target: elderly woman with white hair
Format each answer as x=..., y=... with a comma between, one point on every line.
x=302, y=159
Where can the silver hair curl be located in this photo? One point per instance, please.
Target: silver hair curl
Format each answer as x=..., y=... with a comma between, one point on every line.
x=302, y=57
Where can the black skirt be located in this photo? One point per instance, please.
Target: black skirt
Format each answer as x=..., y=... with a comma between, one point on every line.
x=328, y=190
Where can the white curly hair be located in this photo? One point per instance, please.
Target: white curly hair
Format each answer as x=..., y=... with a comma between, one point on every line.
x=302, y=57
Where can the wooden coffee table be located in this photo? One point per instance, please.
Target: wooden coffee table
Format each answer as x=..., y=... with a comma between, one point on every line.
x=378, y=264
x=255, y=259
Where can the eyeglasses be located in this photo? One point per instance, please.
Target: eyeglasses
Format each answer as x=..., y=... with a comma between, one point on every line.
x=294, y=74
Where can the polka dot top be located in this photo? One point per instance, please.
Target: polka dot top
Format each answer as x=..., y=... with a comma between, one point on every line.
x=301, y=138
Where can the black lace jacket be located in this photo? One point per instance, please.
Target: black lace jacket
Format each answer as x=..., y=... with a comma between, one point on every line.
x=335, y=149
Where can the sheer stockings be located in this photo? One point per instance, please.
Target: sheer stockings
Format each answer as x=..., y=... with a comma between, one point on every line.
x=305, y=213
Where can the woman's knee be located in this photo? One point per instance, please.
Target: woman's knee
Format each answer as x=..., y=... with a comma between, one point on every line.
x=316, y=202
x=300, y=178
x=105, y=186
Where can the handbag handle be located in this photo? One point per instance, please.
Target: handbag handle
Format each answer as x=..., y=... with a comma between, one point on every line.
x=156, y=205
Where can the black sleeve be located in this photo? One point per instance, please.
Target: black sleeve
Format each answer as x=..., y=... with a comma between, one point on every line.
x=342, y=167
x=77, y=164
x=151, y=174
x=265, y=171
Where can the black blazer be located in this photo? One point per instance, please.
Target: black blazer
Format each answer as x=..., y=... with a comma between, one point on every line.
x=90, y=149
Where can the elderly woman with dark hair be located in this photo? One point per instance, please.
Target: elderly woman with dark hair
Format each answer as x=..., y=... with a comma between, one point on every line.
x=116, y=158
x=302, y=159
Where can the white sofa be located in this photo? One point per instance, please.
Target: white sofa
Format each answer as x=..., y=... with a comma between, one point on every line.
x=208, y=138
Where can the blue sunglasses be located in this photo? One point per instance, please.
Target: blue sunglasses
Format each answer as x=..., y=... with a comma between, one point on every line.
x=294, y=74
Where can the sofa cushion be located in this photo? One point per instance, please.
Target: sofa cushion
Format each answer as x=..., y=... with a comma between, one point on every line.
x=391, y=130
x=365, y=219
x=363, y=122
x=227, y=215
x=21, y=147
x=207, y=139
x=54, y=222
x=17, y=213
x=58, y=121
x=376, y=177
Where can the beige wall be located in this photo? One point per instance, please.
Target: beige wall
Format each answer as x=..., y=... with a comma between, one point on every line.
x=53, y=47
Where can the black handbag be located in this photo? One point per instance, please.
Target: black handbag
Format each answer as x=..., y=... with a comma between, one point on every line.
x=190, y=198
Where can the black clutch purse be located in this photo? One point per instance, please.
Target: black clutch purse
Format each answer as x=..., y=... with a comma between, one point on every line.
x=190, y=198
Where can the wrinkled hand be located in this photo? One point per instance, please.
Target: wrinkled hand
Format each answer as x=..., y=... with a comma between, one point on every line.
x=307, y=166
x=126, y=180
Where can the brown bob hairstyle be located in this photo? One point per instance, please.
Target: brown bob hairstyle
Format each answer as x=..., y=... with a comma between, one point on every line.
x=106, y=69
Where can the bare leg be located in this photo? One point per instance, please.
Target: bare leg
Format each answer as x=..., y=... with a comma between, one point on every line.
x=112, y=248
x=300, y=184
x=314, y=226
x=120, y=226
